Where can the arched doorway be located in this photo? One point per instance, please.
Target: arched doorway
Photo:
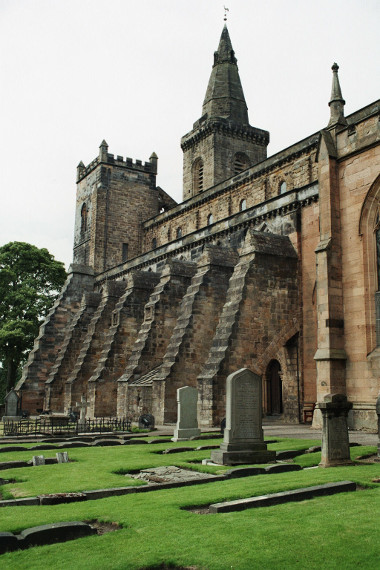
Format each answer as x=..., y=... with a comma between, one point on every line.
x=273, y=388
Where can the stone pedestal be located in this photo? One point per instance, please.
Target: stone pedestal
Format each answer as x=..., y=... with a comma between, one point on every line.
x=187, y=422
x=335, y=442
x=243, y=436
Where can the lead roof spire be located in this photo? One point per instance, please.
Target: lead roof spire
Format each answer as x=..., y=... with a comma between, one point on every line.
x=224, y=96
x=337, y=102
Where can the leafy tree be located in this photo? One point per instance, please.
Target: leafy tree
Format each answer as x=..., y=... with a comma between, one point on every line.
x=30, y=279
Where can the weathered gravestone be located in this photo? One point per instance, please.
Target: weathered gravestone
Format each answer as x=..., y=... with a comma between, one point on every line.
x=12, y=405
x=187, y=422
x=146, y=421
x=378, y=426
x=243, y=437
x=335, y=442
x=62, y=457
x=38, y=460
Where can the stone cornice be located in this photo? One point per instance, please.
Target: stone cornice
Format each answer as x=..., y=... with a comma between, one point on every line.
x=222, y=126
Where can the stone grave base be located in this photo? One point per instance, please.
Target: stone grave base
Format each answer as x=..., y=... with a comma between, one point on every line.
x=185, y=434
x=11, y=418
x=243, y=456
x=335, y=463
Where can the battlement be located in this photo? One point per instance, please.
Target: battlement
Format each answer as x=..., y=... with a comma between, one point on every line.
x=107, y=158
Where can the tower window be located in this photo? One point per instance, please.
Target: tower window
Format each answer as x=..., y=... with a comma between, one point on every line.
x=154, y=243
x=243, y=205
x=210, y=219
x=282, y=187
x=179, y=233
x=124, y=252
x=83, y=219
x=241, y=162
x=198, y=176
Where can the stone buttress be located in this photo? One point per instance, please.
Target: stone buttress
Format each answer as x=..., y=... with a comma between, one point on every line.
x=77, y=383
x=127, y=318
x=192, y=335
x=261, y=303
x=160, y=314
x=51, y=336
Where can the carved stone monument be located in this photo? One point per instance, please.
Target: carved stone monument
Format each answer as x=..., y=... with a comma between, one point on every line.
x=243, y=437
x=335, y=442
x=187, y=422
x=12, y=406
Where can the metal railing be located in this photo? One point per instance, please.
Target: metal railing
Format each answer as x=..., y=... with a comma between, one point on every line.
x=50, y=426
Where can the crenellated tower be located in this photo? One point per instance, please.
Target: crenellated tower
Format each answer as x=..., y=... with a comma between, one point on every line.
x=114, y=197
x=222, y=142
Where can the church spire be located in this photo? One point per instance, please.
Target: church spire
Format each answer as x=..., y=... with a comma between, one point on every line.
x=337, y=102
x=224, y=96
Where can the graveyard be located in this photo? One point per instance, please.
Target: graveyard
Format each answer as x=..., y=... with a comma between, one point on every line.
x=180, y=497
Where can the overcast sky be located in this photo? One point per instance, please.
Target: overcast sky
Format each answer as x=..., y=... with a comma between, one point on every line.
x=135, y=72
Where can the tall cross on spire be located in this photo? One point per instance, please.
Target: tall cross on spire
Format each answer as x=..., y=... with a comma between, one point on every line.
x=225, y=13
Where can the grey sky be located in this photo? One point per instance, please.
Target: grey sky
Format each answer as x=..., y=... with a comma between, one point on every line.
x=135, y=73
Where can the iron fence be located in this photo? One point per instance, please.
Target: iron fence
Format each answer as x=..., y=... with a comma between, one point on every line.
x=51, y=426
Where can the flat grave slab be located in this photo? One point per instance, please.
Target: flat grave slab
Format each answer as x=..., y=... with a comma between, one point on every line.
x=285, y=497
x=170, y=474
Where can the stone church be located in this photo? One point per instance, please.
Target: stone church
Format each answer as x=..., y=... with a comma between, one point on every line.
x=268, y=263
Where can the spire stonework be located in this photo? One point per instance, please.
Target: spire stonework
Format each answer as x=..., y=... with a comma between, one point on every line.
x=222, y=140
x=337, y=102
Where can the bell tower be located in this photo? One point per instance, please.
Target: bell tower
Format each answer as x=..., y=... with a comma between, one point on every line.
x=222, y=143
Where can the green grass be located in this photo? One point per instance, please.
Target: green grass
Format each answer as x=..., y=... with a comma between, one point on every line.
x=340, y=531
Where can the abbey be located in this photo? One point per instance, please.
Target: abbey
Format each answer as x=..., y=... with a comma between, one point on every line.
x=268, y=263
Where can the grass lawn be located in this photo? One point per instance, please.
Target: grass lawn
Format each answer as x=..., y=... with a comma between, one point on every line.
x=340, y=531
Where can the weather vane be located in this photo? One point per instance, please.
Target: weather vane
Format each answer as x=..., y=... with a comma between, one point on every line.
x=225, y=13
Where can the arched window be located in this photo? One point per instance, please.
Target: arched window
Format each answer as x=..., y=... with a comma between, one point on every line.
x=83, y=219
x=154, y=243
x=241, y=162
x=179, y=232
x=210, y=219
x=124, y=252
x=282, y=187
x=198, y=176
x=243, y=205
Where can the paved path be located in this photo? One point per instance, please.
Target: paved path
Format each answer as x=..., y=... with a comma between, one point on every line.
x=276, y=428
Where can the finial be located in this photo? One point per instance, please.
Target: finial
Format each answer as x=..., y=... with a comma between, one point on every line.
x=103, y=151
x=225, y=13
x=337, y=102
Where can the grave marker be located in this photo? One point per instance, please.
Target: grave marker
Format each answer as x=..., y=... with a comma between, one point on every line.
x=38, y=460
x=243, y=435
x=62, y=457
x=12, y=405
x=335, y=442
x=187, y=422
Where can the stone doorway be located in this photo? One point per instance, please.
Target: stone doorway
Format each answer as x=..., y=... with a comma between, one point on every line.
x=273, y=389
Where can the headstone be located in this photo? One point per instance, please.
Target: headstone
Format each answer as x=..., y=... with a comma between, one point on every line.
x=82, y=405
x=146, y=421
x=378, y=426
x=187, y=422
x=62, y=457
x=12, y=405
x=335, y=442
x=38, y=460
x=243, y=436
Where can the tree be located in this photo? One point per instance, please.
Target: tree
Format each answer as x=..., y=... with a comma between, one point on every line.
x=30, y=279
